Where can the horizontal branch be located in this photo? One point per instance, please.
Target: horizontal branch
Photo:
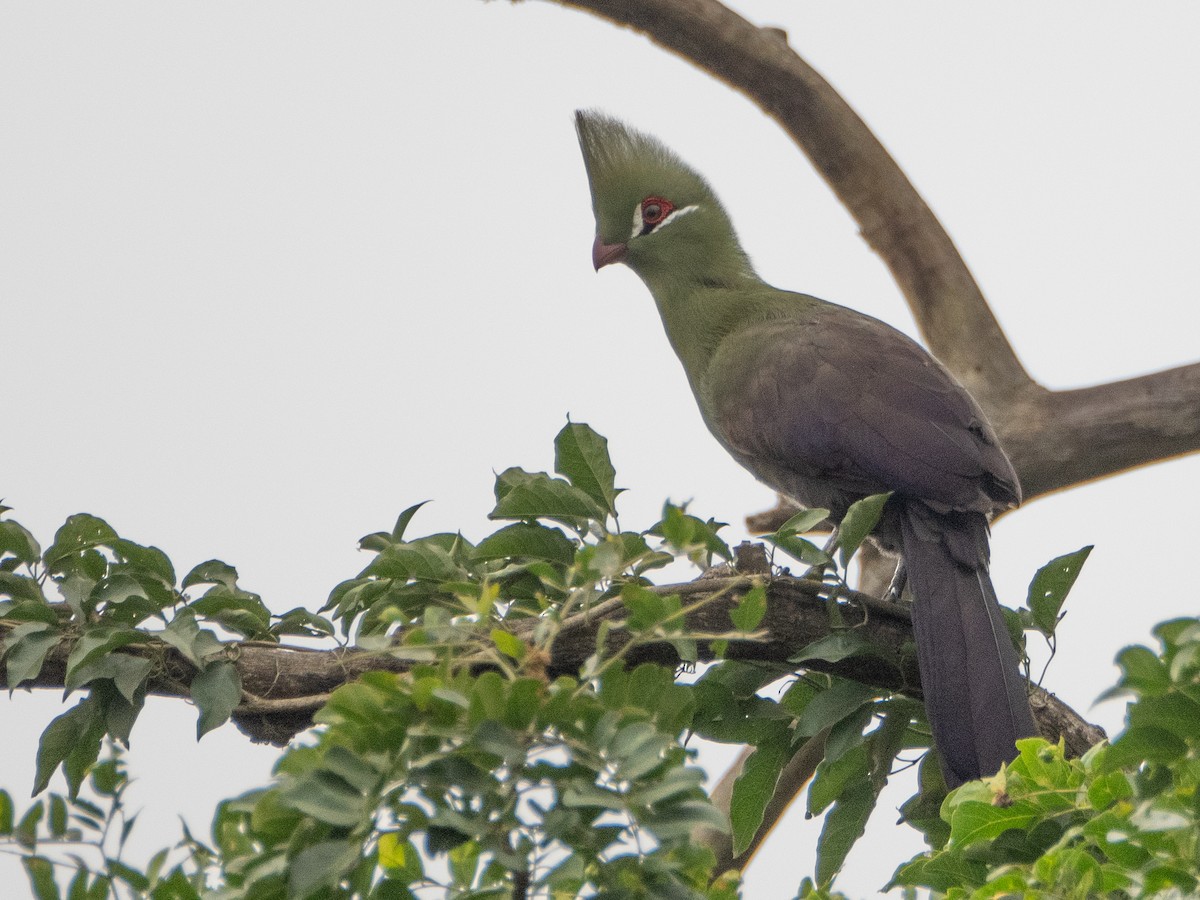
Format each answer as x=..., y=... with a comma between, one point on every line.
x=283, y=686
x=1065, y=438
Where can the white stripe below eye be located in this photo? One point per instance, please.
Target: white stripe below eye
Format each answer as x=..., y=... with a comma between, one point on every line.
x=639, y=223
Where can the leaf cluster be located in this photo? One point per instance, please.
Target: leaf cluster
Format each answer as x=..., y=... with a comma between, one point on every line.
x=1123, y=821
x=479, y=771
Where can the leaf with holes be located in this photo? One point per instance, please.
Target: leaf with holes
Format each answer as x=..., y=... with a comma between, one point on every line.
x=1050, y=587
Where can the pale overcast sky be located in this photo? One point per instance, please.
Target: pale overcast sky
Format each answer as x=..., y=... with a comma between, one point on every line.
x=272, y=272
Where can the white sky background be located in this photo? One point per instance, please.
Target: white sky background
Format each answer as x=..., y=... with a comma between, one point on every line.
x=272, y=272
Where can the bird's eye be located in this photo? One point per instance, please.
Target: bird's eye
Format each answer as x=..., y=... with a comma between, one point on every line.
x=655, y=209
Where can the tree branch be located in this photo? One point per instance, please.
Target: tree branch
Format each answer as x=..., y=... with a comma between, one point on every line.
x=283, y=686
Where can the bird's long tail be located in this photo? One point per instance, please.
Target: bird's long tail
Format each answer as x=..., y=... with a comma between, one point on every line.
x=975, y=695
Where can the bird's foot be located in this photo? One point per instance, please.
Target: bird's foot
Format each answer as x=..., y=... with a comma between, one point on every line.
x=896, y=588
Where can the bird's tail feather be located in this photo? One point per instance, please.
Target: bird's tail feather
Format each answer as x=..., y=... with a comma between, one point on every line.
x=975, y=696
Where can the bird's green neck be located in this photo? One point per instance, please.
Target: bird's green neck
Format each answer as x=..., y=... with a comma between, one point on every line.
x=702, y=303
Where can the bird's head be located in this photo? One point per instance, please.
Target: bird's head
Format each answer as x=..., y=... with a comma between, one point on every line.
x=653, y=212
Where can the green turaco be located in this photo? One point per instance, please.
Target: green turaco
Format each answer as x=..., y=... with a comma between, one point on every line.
x=827, y=406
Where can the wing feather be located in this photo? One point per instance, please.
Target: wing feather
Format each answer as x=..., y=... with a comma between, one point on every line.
x=841, y=401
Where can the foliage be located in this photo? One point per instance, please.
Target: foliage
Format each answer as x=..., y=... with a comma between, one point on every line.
x=81, y=840
x=1123, y=821
x=480, y=771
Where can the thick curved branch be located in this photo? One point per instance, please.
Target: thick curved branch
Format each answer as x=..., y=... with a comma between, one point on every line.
x=1066, y=438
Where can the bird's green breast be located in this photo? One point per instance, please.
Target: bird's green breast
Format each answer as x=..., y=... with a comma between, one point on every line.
x=700, y=318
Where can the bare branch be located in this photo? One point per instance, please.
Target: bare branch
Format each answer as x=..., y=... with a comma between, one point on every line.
x=1063, y=438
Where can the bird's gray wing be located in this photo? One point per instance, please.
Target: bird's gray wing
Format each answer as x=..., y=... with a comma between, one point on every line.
x=842, y=401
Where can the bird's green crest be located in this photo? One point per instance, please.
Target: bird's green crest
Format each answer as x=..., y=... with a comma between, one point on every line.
x=624, y=168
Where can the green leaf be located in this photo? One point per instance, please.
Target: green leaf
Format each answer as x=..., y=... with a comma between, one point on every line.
x=750, y=609
x=689, y=535
x=754, y=788
x=126, y=873
x=464, y=861
x=214, y=571
x=832, y=705
x=674, y=783
x=421, y=559
x=786, y=537
x=839, y=645
x=98, y=641
x=975, y=822
x=352, y=768
x=238, y=611
x=834, y=775
x=1143, y=671
x=58, y=816
x=1174, y=712
x=327, y=798
x=79, y=533
x=527, y=540
x=1050, y=587
x=942, y=873
x=803, y=522
x=216, y=691
x=25, y=650
x=320, y=865
x=41, y=877
x=26, y=830
x=860, y=519
x=16, y=540
x=6, y=813
x=400, y=857
x=800, y=548
x=20, y=587
x=582, y=456
x=127, y=673
x=63, y=736
x=403, y=519
x=508, y=644
x=847, y=733
x=300, y=621
x=647, y=608
x=194, y=643
x=1137, y=745
x=844, y=825
x=150, y=560
x=120, y=590
x=535, y=495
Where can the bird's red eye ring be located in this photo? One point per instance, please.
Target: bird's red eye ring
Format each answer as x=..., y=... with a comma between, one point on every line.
x=655, y=209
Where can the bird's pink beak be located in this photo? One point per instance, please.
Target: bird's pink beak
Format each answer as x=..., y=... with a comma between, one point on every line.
x=603, y=254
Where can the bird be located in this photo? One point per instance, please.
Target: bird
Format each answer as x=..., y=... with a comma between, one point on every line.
x=827, y=406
